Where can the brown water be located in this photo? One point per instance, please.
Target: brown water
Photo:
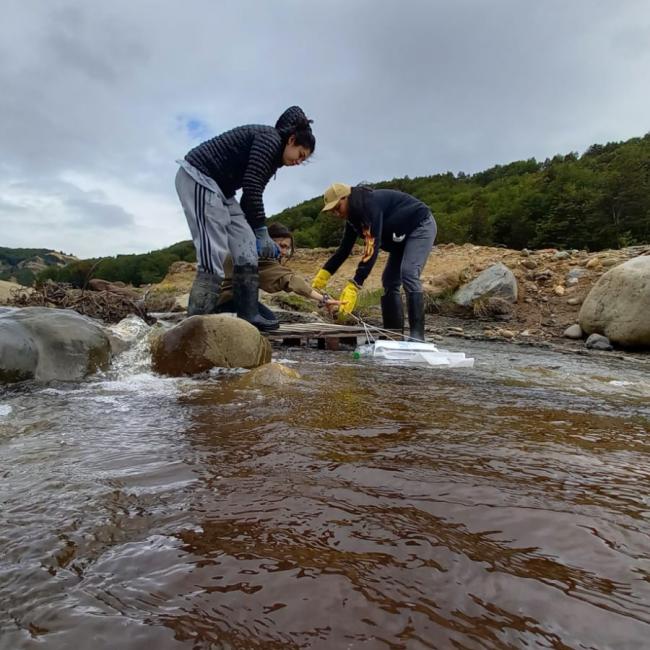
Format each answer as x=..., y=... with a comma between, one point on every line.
x=368, y=506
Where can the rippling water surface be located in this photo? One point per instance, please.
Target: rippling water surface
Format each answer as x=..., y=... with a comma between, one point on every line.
x=366, y=506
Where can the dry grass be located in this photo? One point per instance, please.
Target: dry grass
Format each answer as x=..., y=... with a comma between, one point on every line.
x=491, y=307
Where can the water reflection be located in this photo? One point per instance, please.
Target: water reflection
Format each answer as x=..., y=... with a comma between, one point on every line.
x=363, y=507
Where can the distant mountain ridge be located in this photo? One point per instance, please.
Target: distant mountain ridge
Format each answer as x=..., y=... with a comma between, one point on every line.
x=22, y=265
x=134, y=269
x=597, y=201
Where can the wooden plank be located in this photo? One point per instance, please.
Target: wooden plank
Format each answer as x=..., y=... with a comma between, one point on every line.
x=328, y=336
x=315, y=330
x=324, y=330
x=332, y=343
x=318, y=326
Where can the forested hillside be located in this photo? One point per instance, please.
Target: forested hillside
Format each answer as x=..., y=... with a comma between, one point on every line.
x=140, y=269
x=595, y=201
x=23, y=264
x=598, y=200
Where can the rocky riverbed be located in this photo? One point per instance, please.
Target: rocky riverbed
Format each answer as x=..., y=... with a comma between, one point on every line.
x=551, y=287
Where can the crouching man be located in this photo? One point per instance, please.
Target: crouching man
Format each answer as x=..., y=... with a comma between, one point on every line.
x=275, y=276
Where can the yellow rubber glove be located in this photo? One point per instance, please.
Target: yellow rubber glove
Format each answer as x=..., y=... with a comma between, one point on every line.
x=348, y=300
x=321, y=280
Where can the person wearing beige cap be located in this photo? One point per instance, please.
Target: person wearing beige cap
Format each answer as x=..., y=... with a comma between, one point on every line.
x=395, y=222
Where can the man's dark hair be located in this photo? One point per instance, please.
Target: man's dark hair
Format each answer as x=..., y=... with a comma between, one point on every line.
x=277, y=229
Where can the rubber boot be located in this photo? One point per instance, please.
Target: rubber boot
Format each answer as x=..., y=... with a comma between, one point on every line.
x=228, y=307
x=392, y=312
x=265, y=312
x=204, y=294
x=245, y=289
x=415, y=306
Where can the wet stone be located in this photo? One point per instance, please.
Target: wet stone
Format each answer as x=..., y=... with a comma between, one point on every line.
x=573, y=332
x=598, y=342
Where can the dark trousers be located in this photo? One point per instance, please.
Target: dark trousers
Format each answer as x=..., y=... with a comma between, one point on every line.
x=404, y=266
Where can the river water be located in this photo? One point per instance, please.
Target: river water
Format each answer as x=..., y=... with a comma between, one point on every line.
x=365, y=506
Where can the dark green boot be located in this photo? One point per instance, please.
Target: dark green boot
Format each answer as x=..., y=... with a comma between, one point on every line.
x=392, y=312
x=204, y=294
x=415, y=306
x=245, y=290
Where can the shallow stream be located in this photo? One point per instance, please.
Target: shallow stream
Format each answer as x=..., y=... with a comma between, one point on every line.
x=365, y=506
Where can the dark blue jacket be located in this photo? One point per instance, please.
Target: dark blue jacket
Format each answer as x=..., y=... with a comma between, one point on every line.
x=384, y=219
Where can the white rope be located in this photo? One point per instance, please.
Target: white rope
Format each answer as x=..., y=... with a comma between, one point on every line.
x=366, y=329
x=389, y=333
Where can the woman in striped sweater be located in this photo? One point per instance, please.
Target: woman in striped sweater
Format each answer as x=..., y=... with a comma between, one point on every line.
x=243, y=158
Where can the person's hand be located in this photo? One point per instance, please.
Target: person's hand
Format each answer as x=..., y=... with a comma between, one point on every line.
x=330, y=304
x=266, y=247
x=348, y=300
x=320, y=280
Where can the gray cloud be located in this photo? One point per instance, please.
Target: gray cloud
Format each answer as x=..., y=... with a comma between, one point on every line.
x=10, y=207
x=95, y=214
x=115, y=92
x=72, y=48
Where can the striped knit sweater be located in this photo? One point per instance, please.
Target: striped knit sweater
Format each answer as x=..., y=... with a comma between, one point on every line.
x=246, y=157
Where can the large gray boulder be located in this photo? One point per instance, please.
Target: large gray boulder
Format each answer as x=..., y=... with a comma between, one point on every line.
x=50, y=344
x=496, y=281
x=200, y=343
x=618, y=305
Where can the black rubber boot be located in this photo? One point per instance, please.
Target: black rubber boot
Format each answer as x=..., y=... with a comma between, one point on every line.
x=265, y=312
x=204, y=294
x=415, y=306
x=392, y=312
x=245, y=289
x=228, y=307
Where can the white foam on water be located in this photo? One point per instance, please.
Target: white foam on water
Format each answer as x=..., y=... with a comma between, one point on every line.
x=226, y=372
x=144, y=382
x=5, y=410
x=53, y=391
x=130, y=329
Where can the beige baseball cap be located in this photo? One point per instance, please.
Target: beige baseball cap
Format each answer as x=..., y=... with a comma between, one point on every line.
x=334, y=193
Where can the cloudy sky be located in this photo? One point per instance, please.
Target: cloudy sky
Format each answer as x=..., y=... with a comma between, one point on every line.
x=98, y=99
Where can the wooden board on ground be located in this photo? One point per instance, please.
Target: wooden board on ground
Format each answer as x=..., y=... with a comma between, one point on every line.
x=329, y=336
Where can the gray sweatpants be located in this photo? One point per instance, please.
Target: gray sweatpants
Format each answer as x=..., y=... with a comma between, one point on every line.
x=217, y=224
x=404, y=265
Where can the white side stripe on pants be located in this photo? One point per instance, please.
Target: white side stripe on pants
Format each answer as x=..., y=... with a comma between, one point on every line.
x=199, y=210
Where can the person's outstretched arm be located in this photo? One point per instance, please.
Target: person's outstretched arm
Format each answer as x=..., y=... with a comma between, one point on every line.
x=334, y=262
x=262, y=164
x=372, y=241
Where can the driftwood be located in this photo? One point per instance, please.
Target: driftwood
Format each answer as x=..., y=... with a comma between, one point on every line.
x=96, y=284
x=107, y=306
